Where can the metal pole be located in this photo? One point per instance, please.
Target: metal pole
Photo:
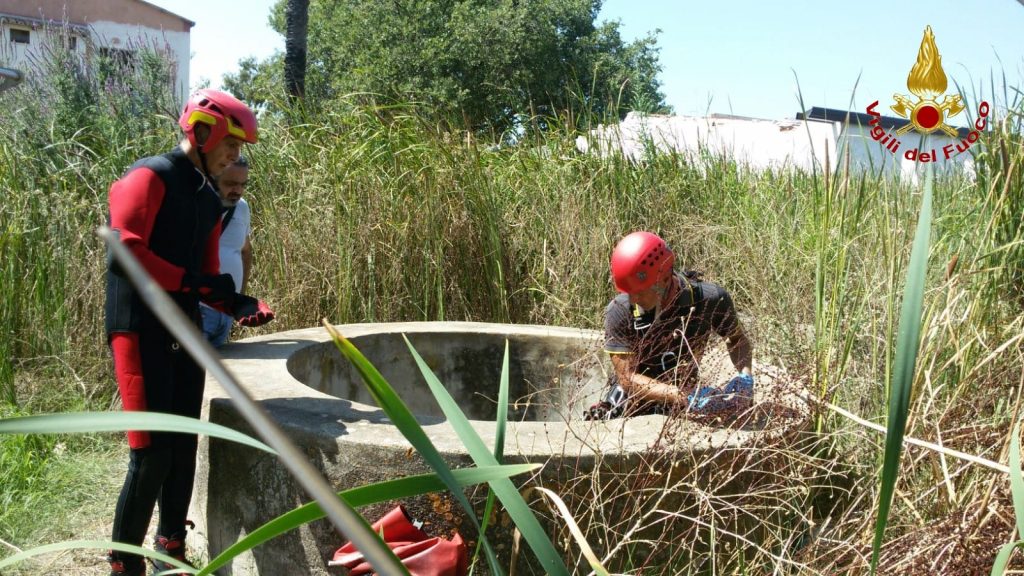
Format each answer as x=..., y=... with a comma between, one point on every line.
x=9, y=78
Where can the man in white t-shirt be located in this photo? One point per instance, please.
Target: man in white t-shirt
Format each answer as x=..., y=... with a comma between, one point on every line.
x=235, y=248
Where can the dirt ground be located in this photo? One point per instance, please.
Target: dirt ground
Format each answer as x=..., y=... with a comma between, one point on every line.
x=79, y=562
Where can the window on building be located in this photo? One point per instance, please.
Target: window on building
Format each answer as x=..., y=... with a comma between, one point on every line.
x=20, y=35
x=72, y=42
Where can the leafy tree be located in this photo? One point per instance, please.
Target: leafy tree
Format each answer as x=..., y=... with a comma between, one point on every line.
x=256, y=82
x=481, y=64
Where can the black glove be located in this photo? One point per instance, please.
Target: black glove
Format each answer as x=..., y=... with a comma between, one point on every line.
x=219, y=288
x=249, y=311
x=613, y=405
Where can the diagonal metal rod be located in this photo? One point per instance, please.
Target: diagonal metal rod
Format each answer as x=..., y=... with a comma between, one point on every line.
x=341, y=515
x=9, y=78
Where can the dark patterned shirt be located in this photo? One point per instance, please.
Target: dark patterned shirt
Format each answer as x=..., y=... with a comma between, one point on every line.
x=669, y=347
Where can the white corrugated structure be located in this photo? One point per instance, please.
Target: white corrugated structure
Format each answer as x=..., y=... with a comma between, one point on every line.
x=776, y=144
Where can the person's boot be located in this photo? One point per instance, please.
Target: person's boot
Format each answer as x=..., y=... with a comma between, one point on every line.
x=173, y=546
x=124, y=565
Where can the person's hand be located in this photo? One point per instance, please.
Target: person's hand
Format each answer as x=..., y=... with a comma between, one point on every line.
x=250, y=312
x=613, y=405
x=219, y=288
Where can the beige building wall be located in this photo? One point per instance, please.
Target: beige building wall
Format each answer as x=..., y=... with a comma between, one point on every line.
x=116, y=24
x=134, y=12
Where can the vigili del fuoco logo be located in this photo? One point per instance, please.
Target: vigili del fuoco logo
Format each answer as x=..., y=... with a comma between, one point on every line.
x=927, y=82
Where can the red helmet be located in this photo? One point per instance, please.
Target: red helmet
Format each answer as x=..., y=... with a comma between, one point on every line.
x=223, y=113
x=639, y=260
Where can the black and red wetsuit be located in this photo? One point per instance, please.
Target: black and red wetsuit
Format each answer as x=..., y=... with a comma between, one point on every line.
x=168, y=215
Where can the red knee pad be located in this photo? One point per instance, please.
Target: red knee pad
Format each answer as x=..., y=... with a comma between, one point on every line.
x=128, y=369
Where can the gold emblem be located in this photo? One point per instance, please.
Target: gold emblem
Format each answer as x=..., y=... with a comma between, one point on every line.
x=927, y=81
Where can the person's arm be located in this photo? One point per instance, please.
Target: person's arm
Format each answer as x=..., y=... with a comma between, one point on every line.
x=740, y=350
x=644, y=388
x=728, y=326
x=134, y=202
x=246, y=262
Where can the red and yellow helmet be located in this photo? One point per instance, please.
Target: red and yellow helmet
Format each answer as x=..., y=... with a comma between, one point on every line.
x=223, y=113
x=639, y=261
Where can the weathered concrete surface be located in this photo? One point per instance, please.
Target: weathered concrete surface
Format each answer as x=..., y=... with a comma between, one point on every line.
x=317, y=398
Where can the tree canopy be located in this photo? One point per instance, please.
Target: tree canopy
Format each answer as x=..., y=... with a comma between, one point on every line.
x=481, y=64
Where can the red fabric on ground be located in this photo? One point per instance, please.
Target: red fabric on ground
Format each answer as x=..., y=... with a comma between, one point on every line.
x=421, y=554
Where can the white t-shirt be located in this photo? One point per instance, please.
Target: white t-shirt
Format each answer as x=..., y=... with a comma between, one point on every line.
x=232, y=239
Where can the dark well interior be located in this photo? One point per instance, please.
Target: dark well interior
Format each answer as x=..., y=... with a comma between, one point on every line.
x=551, y=377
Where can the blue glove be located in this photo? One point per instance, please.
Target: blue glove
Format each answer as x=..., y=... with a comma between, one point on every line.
x=707, y=398
x=742, y=384
x=711, y=399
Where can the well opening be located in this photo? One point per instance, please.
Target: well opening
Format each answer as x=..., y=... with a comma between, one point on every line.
x=550, y=376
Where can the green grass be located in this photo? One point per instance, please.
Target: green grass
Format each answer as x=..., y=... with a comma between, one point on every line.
x=68, y=496
x=57, y=487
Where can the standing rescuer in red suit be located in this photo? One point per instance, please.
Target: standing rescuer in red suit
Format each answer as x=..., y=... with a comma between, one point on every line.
x=167, y=212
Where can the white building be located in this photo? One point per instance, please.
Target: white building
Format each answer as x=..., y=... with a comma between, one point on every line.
x=115, y=28
x=805, y=142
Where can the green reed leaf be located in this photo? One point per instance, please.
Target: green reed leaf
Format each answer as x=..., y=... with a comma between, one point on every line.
x=908, y=339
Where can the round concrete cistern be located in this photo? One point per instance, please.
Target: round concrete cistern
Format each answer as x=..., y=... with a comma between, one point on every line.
x=318, y=398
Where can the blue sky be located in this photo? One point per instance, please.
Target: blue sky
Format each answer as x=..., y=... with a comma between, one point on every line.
x=743, y=57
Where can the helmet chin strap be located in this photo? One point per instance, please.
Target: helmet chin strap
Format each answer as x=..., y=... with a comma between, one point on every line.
x=663, y=291
x=206, y=168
